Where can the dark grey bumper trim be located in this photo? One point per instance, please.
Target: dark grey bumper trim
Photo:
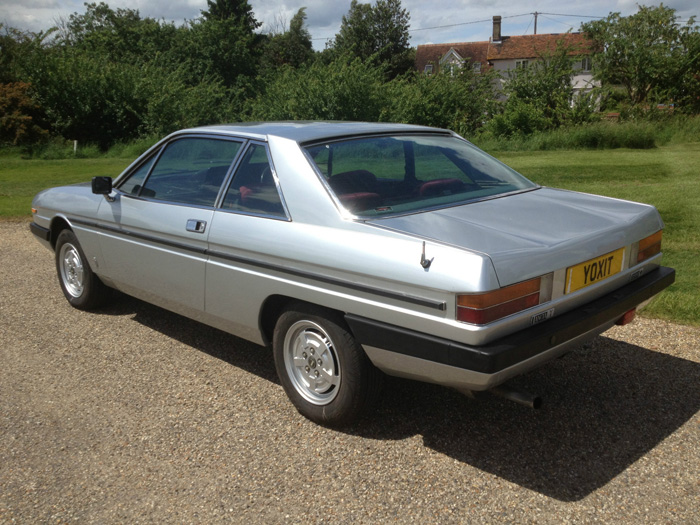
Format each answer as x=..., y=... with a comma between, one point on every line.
x=43, y=233
x=520, y=346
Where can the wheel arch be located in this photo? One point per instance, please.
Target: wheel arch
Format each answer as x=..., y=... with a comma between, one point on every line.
x=58, y=224
x=275, y=305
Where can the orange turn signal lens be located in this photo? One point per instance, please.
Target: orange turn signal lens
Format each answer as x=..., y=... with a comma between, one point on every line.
x=649, y=246
x=490, y=306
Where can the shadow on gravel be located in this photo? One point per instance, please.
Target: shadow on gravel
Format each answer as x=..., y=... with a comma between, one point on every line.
x=238, y=352
x=605, y=406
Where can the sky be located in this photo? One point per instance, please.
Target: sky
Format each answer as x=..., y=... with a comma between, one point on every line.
x=431, y=22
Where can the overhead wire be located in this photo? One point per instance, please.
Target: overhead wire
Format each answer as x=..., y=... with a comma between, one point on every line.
x=487, y=20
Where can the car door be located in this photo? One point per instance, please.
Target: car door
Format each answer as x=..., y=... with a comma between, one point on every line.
x=248, y=230
x=155, y=244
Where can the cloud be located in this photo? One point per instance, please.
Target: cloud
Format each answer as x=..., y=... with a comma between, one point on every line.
x=470, y=20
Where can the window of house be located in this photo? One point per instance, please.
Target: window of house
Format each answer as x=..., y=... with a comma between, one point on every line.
x=586, y=64
x=476, y=67
x=521, y=64
x=428, y=69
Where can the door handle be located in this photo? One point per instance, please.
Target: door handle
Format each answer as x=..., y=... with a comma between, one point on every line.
x=193, y=225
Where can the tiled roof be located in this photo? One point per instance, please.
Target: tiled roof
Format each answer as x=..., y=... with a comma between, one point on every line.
x=534, y=46
x=432, y=53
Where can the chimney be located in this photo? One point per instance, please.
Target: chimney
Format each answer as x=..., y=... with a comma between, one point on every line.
x=496, y=28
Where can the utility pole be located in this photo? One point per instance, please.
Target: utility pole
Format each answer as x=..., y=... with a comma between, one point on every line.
x=535, y=13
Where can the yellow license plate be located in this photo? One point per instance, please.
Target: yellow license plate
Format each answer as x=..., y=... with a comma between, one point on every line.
x=594, y=271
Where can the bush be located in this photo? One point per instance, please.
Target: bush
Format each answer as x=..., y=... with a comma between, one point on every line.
x=601, y=135
x=461, y=102
x=344, y=89
x=519, y=118
x=132, y=150
x=59, y=149
x=18, y=116
x=170, y=103
x=681, y=129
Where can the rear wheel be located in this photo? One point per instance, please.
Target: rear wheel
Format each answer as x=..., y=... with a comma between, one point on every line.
x=323, y=370
x=80, y=285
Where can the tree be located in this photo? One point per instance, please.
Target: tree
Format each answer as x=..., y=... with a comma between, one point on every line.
x=646, y=53
x=222, y=42
x=378, y=32
x=18, y=122
x=685, y=91
x=292, y=47
x=87, y=97
x=238, y=10
x=16, y=49
x=120, y=34
x=460, y=100
x=223, y=48
x=344, y=89
x=541, y=96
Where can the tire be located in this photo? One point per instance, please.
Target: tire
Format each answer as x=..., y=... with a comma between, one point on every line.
x=82, y=288
x=323, y=370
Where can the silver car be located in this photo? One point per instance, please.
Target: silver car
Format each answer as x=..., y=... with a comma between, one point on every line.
x=355, y=250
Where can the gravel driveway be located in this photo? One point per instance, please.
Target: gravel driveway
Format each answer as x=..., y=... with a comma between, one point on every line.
x=133, y=414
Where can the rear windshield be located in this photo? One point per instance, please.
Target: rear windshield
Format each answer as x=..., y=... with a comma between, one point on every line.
x=376, y=176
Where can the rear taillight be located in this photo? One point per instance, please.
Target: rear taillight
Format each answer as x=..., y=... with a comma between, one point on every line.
x=649, y=246
x=487, y=307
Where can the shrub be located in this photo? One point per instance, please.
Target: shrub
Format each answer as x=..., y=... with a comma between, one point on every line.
x=461, y=102
x=132, y=150
x=344, y=89
x=18, y=112
x=600, y=135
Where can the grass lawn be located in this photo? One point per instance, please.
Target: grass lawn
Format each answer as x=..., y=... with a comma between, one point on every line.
x=21, y=179
x=667, y=177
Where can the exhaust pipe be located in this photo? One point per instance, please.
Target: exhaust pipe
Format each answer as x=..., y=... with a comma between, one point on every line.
x=520, y=397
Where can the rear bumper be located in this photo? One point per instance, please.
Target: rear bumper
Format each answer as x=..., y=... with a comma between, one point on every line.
x=406, y=353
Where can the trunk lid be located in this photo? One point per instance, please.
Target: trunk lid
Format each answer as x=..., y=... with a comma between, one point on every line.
x=536, y=232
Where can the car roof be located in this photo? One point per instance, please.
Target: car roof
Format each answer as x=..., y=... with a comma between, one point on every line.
x=309, y=131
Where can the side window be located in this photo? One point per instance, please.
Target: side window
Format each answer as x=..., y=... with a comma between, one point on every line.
x=253, y=188
x=190, y=171
x=133, y=184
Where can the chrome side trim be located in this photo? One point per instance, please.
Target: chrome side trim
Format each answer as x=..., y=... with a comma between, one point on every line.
x=412, y=299
x=420, y=301
x=141, y=236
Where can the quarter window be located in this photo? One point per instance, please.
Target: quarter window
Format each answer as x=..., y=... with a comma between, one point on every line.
x=189, y=171
x=254, y=188
x=133, y=184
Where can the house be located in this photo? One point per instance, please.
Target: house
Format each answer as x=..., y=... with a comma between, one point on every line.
x=431, y=58
x=503, y=53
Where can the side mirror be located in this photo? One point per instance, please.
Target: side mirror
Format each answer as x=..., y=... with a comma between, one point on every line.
x=102, y=185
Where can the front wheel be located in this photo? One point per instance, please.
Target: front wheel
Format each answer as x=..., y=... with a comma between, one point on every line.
x=80, y=285
x=323, y=370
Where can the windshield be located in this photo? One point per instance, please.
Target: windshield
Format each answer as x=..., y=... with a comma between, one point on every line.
x=376, y=176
